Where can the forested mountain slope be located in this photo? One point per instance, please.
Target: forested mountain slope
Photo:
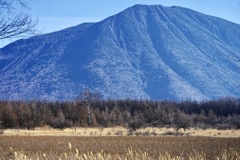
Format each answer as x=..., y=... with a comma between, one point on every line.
x=144, y=52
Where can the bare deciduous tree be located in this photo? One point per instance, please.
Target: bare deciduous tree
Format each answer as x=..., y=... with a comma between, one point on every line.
x=14, y=20
x=88, y=98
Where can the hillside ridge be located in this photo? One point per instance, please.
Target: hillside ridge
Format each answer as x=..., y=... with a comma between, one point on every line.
x=143, y=52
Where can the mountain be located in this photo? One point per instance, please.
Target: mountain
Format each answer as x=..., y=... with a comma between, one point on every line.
x=149, y=52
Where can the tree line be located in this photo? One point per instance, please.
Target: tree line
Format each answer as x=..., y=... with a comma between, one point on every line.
x=95, y=112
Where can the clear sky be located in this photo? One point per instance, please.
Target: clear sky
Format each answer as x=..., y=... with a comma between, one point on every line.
x=55, y=15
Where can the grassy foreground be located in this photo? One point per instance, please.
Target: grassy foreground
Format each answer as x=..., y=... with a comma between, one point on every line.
x=118, y=147
x=119, y=143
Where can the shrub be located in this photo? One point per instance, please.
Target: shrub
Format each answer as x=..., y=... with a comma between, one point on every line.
x=134, y=125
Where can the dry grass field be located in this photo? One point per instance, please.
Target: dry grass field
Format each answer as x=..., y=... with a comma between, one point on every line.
x=121, y=131
x=118, y=147
x=118, y=143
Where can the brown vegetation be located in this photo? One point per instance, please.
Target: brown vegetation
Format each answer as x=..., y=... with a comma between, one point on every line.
x=133, y=114
x=145, y=147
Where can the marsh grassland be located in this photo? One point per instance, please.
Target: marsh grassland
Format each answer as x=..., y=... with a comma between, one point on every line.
x=117, y=144
x=121, y=131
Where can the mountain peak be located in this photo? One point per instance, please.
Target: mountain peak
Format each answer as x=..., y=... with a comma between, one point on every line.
x=149, y=52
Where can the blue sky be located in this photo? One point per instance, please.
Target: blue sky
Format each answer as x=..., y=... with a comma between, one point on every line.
x=55, y=15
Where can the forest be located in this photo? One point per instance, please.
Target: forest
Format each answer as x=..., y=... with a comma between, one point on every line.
x=91, y=111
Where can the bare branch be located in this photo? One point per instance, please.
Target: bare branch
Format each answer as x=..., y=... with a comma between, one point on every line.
x=14, y=21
